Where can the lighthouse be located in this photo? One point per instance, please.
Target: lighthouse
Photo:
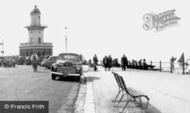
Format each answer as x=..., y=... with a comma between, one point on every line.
x=35, y=42
x=35, y=30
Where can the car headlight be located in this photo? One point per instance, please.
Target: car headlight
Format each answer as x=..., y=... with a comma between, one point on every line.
x=54, y=66
x=78, y=68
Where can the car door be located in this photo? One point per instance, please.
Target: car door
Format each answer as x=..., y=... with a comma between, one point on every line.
x=51, y=61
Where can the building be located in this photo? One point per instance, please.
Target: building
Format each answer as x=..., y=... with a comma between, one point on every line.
x=36, y=42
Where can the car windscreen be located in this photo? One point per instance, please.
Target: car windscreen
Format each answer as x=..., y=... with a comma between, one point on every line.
x=69, y=57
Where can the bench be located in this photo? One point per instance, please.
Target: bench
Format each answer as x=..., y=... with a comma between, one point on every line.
x=119, y=85
x=132, y=94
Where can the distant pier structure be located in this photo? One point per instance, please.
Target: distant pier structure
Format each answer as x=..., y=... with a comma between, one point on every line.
x=36, y=42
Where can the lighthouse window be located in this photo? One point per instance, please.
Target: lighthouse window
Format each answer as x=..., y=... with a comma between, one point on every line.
x=39, y=40
x=31, y=39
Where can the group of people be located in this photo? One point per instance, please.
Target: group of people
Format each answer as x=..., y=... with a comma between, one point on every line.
x=125, y=63
x=94, y=63
x=141, y=64
x=107, y=62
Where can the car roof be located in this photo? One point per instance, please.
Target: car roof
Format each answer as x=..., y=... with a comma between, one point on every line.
x=53, y=57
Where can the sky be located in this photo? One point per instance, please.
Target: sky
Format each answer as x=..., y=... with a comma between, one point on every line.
x=102, y=27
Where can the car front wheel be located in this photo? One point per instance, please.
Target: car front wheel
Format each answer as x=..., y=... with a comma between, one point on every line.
x=53, y=76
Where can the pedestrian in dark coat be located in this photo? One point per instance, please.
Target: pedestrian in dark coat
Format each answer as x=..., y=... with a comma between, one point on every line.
x=124, y=62
x=109, y=62
x=95, y=61
x=172, y=60
x=140, y=64
x=105, y=62
x=90, y=63
x=145, y=65
x=34, y=59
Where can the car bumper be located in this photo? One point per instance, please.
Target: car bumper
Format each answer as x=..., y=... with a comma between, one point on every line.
x=65, y=74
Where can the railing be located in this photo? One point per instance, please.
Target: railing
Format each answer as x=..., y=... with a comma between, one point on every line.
x=31, y=44
x=170, y=67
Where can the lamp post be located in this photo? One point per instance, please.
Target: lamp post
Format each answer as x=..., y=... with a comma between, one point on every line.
x=66, y=38
x=2, y=47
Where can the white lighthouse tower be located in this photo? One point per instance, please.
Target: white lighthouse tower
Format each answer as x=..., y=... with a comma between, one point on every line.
x=35, y=37
x=35, y=30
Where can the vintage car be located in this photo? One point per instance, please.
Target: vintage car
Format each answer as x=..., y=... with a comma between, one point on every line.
x=8, y=62
x=28, y=60
x=41, y=59
x=68, y=64
x=48, y=62
x=21, y=60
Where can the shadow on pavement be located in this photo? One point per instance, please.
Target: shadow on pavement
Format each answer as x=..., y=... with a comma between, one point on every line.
x=42, y=71
x=67, y=79
x=85, y=79
x=90, y=78
x=152, y=109
x=132, y=108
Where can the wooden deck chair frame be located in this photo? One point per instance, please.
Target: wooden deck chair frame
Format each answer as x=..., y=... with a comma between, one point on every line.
x=133, y=95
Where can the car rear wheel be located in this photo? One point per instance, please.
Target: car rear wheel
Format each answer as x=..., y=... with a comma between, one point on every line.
x=53, y=76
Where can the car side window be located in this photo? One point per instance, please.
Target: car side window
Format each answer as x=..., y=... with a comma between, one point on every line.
x=54, y=58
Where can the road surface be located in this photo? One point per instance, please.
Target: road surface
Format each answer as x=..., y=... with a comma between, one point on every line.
x=23, y=84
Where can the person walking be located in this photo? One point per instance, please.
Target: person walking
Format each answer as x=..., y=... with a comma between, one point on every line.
x=95, y=62
x=34, y=59
x=124, y=62
x=109, y=62
x=105, y=62
x=90, y=63
x=172, y=60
